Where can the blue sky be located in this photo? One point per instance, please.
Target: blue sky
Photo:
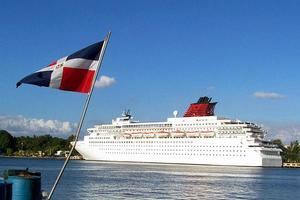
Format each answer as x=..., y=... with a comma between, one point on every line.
x=162, y=55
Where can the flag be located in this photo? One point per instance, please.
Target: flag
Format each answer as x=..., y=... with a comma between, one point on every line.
x=72, y=73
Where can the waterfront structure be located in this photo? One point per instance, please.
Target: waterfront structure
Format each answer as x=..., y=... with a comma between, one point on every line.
x=291, y=165
x=199, y=137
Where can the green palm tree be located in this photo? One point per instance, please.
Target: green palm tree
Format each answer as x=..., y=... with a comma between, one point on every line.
x=293, y=152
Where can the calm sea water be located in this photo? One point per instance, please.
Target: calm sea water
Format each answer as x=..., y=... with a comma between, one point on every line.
x=97, y=180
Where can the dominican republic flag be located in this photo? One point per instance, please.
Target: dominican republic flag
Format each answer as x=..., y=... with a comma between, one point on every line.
x=72, y=73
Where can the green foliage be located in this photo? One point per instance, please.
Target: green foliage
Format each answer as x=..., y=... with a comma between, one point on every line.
x=28, y=146
x=293, y=152
x=290, y=153
x=6, y=140
x=45, y=143
x=9, y=151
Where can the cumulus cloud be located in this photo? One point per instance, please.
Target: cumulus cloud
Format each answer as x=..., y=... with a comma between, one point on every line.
x=19, y=125
x=287, y=132
x=267, y=95
x=105, y=81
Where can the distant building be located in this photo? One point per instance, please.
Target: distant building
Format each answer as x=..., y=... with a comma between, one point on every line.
x=40, y=154
x=61, y=153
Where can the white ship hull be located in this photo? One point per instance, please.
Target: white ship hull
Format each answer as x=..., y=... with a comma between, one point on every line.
x=197, y=138
x=201, y=151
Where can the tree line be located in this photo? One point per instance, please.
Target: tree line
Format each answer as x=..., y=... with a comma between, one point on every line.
x=45, y=145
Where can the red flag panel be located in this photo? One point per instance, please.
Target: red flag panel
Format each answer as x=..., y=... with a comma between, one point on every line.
x=77, y=80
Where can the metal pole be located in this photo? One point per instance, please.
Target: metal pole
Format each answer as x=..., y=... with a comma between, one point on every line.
x=82, y=116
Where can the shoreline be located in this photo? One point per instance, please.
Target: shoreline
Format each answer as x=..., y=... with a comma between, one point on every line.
x=42, y=158
x=291, y=165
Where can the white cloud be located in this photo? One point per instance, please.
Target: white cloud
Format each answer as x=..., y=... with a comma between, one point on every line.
x=267, y=95
x=287, y=132
x=105, y=81
x=20, y=125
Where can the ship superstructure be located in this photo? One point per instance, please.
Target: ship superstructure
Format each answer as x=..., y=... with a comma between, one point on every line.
x=199, y=137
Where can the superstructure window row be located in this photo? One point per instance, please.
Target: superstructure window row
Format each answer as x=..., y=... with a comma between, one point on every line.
x=146, y=125
x=171, y=153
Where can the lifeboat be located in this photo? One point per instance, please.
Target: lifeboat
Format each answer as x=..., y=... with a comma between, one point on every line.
x=127, y=135
x=178, y=134
x=162, y=134
x=148, y=135
x=207, y=133
x=193, y=134
x=136, y=135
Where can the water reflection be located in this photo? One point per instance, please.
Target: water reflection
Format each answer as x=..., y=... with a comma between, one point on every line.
x=96, y=180
x=168, y=182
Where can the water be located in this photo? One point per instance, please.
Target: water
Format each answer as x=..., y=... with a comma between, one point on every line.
x=98, y=180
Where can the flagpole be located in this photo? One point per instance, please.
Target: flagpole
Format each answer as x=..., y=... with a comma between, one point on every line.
x=82, y=116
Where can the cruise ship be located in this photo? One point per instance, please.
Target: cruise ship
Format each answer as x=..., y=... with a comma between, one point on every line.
x=199, y=137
